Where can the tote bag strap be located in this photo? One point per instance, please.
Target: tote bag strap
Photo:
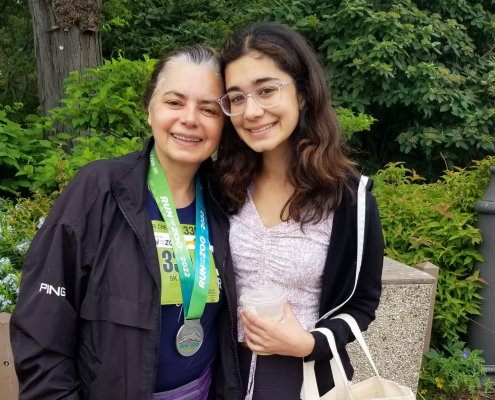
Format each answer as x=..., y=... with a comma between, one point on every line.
x=336, y=366
x=359, y=337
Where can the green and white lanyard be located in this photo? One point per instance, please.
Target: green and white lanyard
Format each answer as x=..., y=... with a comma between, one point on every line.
x=194, y=280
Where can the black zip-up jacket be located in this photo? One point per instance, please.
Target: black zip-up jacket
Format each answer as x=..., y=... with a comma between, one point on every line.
x=87, y=321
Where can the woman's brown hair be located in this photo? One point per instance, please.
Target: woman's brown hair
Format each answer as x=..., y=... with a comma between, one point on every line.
x=317, y=169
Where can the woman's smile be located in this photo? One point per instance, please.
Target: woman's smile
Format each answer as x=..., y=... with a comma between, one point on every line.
x=186, y=140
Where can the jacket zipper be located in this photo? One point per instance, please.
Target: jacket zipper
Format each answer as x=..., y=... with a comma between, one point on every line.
x=155, y=361
x=227, y=295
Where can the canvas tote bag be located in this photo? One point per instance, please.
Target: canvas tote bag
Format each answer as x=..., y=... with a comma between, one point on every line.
x=372, y=388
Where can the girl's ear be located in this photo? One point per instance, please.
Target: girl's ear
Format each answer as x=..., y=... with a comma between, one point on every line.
x=301, y=101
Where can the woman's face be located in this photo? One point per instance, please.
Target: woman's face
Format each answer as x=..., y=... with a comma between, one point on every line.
x=263, y=129
x=184, y=115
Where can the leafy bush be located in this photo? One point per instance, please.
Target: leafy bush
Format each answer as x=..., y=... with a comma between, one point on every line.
x=424, y=69
x=57, y=167
x=9, y=285
x=19, y=221
x=436, y=222
x=108, y=100
x=18, y=147
x=351, y=123
x=454, y=369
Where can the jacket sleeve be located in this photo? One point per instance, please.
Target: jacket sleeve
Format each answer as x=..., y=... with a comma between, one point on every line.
x=365, y=300
x=44, y=323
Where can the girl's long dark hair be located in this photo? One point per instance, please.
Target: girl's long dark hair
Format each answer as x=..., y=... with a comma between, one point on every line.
x=317, y=168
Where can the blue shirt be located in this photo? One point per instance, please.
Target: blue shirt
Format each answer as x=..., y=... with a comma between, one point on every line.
x=173, y=369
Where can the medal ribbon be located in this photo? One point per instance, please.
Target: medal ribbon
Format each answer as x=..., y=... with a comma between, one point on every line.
x=194, y=280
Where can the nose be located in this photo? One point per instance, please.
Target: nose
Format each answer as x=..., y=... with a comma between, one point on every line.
x=253, y=110
x=189, y=117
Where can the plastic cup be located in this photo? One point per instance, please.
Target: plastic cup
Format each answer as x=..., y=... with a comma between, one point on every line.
x=266, y=302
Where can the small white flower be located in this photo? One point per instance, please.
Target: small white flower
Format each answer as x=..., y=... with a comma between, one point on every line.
x=4, y=303
x=40, y=222
x=4, y=261
x=11, y=283
x=23, y=246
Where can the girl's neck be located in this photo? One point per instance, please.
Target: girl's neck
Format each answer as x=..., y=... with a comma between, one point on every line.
x=274, y=166
x=181, y=180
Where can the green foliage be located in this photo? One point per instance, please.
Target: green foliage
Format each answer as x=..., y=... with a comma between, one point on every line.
x=18, y=147
x=108, y=99
x=424, y=70
x=19, y=221
x=453, y=369
x=17, y=64
x=436, y=222
x=57, y=167
x=9, y=286
x=351, y=123
x=420, y=68
x=104, y=104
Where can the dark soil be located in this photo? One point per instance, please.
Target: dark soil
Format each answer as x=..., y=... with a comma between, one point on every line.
x=482, y=396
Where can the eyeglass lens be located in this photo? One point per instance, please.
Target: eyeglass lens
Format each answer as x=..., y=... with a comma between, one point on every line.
x=266, y=96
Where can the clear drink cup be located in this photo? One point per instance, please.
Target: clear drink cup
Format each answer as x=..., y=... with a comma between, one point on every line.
x=266, y=302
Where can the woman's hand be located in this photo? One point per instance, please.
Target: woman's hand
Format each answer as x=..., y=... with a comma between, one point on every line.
x=286, y=338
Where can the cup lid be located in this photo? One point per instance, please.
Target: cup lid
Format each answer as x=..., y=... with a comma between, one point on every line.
x=263, y=295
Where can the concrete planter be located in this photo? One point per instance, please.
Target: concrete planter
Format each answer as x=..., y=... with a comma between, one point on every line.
x=400, y=335
x=8, y=379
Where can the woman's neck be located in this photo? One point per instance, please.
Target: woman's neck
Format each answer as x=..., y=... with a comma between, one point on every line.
x=180, y=179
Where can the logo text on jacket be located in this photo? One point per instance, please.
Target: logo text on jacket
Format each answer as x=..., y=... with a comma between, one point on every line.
x=60, y=291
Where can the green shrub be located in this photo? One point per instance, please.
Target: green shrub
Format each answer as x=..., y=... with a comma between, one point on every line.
x=108, y=100
x=9, y=285
x=57, y=167
x=451, y=370
x=436, y=222
x=18, y=147
x=424, y=69
x=19, y=221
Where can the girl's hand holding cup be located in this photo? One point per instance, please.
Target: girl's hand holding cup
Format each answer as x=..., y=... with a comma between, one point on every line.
x=267, y=334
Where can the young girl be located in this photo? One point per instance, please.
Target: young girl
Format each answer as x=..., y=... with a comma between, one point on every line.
x=293, y=200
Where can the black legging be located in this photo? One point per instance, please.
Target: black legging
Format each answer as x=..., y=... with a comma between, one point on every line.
x=277, y=377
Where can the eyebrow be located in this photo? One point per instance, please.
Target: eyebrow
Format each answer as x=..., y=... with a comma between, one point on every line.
x=255, y=82
x=182, y=96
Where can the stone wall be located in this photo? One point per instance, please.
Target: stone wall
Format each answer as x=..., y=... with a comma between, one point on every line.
x=397, y=337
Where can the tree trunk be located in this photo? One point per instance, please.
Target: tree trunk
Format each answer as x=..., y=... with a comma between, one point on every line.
x=66, y=39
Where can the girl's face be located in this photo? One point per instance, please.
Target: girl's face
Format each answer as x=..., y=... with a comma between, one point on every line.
x=184, y=115
x=263, y=129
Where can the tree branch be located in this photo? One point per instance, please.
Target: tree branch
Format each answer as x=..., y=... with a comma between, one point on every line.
x=489, y=51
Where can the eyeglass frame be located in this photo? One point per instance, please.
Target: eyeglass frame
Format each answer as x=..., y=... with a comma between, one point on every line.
x=247, y=95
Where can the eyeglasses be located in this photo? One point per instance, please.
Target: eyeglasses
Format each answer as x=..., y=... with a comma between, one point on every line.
x=266, y=96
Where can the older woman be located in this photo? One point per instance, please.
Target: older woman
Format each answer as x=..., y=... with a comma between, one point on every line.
x=121, y=288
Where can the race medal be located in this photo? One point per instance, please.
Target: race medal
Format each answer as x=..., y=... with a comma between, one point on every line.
x=194, y=277
x=189, y=338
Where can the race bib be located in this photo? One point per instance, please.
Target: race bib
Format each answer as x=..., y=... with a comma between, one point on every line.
x=171, y=288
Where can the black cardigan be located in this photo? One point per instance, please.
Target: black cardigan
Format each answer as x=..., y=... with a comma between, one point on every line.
x=338, y=285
